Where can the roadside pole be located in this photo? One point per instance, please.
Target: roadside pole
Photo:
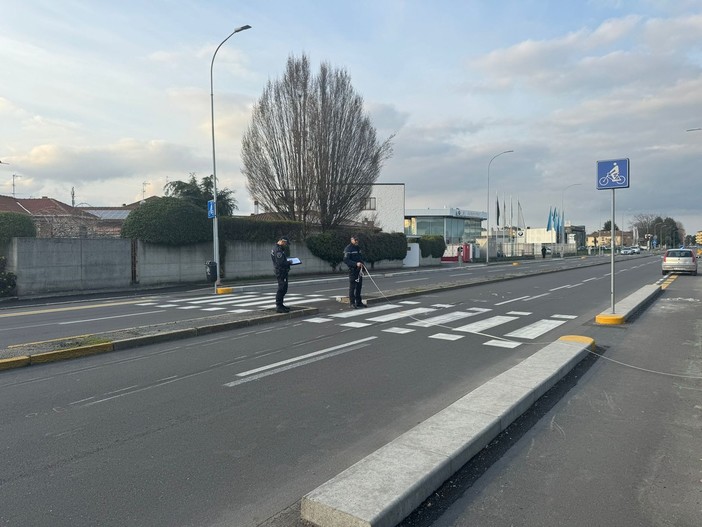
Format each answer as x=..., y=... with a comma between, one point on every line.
x=612, y=174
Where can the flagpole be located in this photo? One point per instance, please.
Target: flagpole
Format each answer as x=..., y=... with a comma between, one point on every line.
x=487, y=238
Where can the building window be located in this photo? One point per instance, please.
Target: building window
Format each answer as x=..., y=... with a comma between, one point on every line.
x=369, y=204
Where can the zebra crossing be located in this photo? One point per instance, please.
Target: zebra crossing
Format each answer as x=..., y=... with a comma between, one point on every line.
x=240, y=303
x=452, y=324
x=447, y=322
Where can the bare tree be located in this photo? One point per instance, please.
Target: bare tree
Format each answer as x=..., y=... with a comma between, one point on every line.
x=311, y=153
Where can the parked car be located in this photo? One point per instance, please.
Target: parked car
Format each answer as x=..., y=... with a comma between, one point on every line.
x=635, y=249
x=626, y=250
x=679, y=260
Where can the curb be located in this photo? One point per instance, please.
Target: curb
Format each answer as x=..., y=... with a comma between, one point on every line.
x=627, y=308
x=166, y=336
x=387, y=485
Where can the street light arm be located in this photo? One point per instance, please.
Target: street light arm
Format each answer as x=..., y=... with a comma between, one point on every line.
x=237, y=30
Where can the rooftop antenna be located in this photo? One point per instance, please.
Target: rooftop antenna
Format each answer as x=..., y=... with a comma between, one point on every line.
x=14, y=176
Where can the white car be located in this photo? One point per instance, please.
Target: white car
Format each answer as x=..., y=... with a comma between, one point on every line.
x=626, y=250
x=635, y=250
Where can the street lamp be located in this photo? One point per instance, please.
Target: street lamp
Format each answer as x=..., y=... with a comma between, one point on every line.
x=487, y=240
x=215, y=225
x=563, y=214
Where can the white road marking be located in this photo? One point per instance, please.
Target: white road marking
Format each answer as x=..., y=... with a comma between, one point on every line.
x=402, y=314
x=409, y=302
x=513, y=300
x=355, y=324
x=399, y=331
x=519, y=313
x=108, y=318
x=488, y=323
x=443, y=319
x=445, y=336
x=535, y=297
x=214, y=308
x=561, y=287
x=536, y=329
x=301, y=358
x=442, y=305
x=364, y=311
x=502, y=343
x=569, y=317
x=412, y=280
x=317, y=320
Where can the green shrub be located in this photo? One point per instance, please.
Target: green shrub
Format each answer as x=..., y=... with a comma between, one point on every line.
x=253, y=230
x=433, y=246
x=15, y=225
x=8, y=281
x=329, y=246
x=168, y=221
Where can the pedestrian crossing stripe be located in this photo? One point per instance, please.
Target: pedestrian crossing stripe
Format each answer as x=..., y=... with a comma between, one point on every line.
x=502, y=343
x=399, y=331
x=402, y=314
x=488, y=323
x=536, y=329
x=443, y=319
x=446, y=336
x=355, y=324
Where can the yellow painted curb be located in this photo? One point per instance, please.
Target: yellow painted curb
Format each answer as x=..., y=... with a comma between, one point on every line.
x=579, y=339
x=224, y=290
x=609, y=318
x=515, y=263
x=71, y=353
x=14, y=362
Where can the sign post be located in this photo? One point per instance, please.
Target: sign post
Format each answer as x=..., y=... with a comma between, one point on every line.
x=613, y=174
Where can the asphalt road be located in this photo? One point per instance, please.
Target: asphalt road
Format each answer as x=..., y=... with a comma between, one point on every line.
x=234, y=428
x=37, y=320
x=617, y=443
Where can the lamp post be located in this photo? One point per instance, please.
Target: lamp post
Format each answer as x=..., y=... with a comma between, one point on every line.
x=215, y=224
x=487, y=238
x=563, y=214
x=654, y=230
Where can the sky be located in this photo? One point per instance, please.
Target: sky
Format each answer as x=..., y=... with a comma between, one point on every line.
x=102, y=102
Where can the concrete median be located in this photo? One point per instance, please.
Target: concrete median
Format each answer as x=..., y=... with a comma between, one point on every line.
x=383, y=488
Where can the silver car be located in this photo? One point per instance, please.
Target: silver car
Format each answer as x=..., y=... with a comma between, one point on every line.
x=680, y=260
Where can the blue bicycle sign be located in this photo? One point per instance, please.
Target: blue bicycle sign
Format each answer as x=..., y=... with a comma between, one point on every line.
x=613, y=173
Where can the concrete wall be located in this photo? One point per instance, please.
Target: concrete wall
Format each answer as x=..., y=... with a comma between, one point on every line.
x=46, y=265
x=162, y=264
x=72, y=265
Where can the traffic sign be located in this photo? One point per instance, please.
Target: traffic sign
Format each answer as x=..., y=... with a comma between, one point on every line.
x=211, y=209
x=613, y=173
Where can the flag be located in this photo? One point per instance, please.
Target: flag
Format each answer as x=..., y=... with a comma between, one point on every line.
x=549, y=226
x=498, y=211
x=521, y=224
x=556, y=221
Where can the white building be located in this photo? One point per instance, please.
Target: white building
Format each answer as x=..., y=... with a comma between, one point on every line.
x=385, y=208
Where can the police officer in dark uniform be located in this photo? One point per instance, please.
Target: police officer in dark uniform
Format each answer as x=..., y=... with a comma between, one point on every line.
x=354, y=259
x=281, y=267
